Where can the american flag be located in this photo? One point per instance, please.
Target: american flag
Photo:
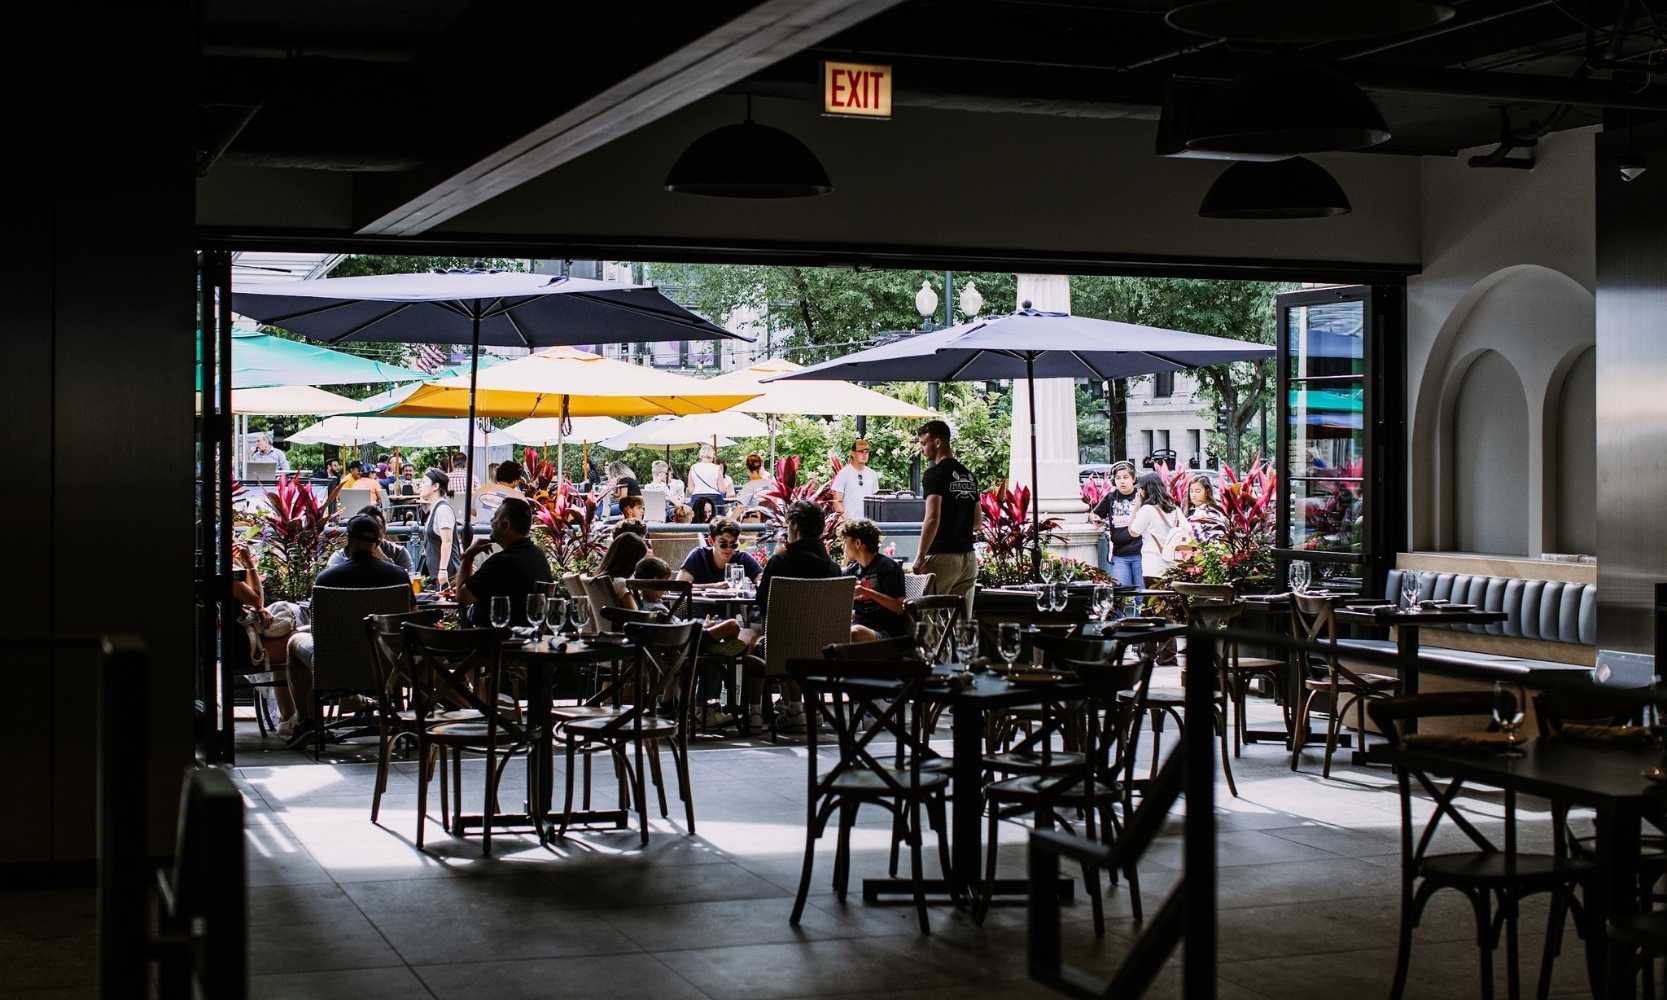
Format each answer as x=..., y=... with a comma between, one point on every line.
x=430, y=359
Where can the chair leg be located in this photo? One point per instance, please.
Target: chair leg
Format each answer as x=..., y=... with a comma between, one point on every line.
x=811, y=829
x=425, y=774
x=567, y=806
x=443, y=765
x=456, y=828
x=1553, y=941
x=1403, y=953
x=1484, y=941
x=897, y=835
x=1332, y=725
x=982, y=905
x=1157, y=742
x=1299, y=729
x=935, y=815
x=382, y=760
x=680, y=759
x=489, y=801
x=659, y=778
x=1226, y=761
x=917, y=874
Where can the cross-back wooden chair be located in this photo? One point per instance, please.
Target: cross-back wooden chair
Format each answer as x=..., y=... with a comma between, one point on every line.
x=1493, y=877
x=461, y=668
x=863, y=702
x=932, y=619
x=1312, y=619
x=664, y=658
x=1237, y=669
x=394, y=669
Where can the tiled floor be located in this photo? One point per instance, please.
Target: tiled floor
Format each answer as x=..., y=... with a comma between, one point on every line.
x=343, y=908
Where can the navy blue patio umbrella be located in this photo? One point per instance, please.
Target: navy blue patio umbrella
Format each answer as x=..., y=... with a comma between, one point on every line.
x=1032, y=344
x=477, y=307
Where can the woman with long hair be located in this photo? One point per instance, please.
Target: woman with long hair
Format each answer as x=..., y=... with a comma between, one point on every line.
x=620, y=562
x=1155, y=519
x=706, y=485
x=1203, y=512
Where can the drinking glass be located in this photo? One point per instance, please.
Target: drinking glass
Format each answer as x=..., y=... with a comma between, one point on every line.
x=1103, y=596
x=1300, y=574
x=1044, y=597
x=1409, y=595
x=579, y=614
x=733, y=575
x=535, y=609
x=1508, y=710
x=1059, y=596
x=500, y=611
x=1048, y=571
x=1009, y=642
x=555, y=614
x=966, y=640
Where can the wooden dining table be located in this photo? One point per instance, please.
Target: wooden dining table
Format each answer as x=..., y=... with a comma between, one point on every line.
x=1407, y=622
x=1607, y=779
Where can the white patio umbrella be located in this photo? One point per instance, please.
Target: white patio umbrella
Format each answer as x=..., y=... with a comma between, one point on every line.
x=582, y=430
x=824, y=397
x=351, y=429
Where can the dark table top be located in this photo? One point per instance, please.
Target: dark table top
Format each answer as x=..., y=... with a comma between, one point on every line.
x=1582, y=773
x=569, y=650
x=1404, y=616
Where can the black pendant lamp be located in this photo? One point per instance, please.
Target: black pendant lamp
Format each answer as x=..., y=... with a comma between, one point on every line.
x=748, y=160
x=1293, y=21
x=1288, y=107
x=1284, y=189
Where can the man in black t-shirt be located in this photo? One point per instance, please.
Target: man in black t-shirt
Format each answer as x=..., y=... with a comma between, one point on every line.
x=514, y=572
x=878, y=608
x=954, y=512
x=362, y=568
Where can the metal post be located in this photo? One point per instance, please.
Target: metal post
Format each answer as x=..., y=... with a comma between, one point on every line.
x=468, y=471
x=1198, y=970
x=224, y=747
x=1035, y=477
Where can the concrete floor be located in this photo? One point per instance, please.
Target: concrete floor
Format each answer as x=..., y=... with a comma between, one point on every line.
x=342, y=908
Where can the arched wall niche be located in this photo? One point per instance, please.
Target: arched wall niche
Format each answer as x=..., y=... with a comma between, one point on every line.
x=1489, y=428
x=1539, y=322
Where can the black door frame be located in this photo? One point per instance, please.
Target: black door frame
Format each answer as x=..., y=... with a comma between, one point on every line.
x=215, y=730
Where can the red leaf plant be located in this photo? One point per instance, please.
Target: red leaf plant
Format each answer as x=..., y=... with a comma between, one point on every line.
x=1007, y=535
x=1331, y=509
x=1094, y=489
x=540, y=473
x=1243, y=552
x=566, y=528
x=786, y=490
x=297, y=538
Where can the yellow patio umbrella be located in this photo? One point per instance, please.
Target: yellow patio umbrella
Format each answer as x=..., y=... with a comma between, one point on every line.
x=567, y=382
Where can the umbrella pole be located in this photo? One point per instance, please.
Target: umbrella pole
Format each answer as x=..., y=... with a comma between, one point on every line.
x=1035, y=482
x=468, y=478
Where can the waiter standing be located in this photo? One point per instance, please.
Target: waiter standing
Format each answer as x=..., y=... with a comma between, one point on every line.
x=953, y=514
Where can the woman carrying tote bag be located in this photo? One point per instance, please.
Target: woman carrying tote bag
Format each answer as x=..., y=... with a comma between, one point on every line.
x=1155, y=519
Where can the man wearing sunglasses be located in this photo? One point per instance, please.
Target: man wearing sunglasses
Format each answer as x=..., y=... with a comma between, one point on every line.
x=856, y=482
x=706, y=565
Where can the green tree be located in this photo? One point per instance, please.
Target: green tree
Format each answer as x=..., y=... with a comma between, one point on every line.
x=1239, y=310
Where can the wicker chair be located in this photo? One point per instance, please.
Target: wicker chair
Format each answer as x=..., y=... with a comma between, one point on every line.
x=599, y=593
x=343, y=661
x=917, y=585
x=803, y=617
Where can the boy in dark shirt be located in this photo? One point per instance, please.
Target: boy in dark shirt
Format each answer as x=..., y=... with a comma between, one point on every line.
x=1115, y=510
x=705, y=565
x=878, y=612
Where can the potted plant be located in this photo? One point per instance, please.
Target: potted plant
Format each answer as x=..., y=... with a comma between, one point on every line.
x=1007, y=536
x=566, y=528
x=297, y=540
x=1242, y=552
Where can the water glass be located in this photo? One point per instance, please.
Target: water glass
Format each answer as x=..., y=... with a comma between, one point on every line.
x=500, y=611
x=1009, y=642
x=1509, y=707
x=1299, y=576
x=1103, y=596
x=1044, y=597
x=733, y=575
x=535, y=609
x=1048, y=571
x=555, y=614
x=1059, y=596
x=1409, y=595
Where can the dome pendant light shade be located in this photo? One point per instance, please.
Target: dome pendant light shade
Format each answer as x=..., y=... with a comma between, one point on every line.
x=748, y=161
x=1284, y=189
x=1288, y=108
x=1294, y=21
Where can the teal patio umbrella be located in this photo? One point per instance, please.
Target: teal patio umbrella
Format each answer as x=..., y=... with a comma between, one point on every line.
x=259, y=360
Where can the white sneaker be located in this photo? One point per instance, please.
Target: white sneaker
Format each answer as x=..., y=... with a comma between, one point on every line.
x=755, y=722
x=791, y=717
x=286, y=728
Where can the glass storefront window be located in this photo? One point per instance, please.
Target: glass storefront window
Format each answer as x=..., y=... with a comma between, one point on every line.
x=1325, y=340
x=1326, y=515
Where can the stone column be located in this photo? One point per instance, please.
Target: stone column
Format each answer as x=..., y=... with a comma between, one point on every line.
x=1056, y=432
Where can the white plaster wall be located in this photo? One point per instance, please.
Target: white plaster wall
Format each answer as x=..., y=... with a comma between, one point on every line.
x=1509, y=265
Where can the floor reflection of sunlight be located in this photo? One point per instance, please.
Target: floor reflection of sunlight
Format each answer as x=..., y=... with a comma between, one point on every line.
x=268, y=837
x=291, y=782
x=765, y=839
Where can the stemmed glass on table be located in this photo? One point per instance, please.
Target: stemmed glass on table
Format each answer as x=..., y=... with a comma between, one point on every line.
x=536, y=604
x=1509, y=707
x=1009, y=642
x=733, y=575
x=1105, y=596
x=966, y=641
x=500, y=611
x=1410, y=592
x=555, y=614
x=1299, y=575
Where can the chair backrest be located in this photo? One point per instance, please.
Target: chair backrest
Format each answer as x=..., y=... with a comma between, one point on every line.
x=902, y=648
x=575, y=585
x=804, y=616
x=1075, y=650
x=674, y=548
x=599, y=591
x=676, y=595
x=354, y=500
x=387, y=646
x=667, y=662
x=1391, y=715
x=917, y=585
x=621, y=617
x=457, y=668
x=342, y=655
x=932, y=620
x=862, y=701
x=1589, y=708
x=1312, y=621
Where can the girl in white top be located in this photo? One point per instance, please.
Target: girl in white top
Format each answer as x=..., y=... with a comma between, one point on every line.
x=705, y=476
x=1155, y=518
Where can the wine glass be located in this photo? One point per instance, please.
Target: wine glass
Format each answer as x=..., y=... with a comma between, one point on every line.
x=1508, y=710
x=500, y=611
x=1044, y=597
x=1103, y=596
x=1299, y=576
x=579, y=614
x=733, y=575
x=1009, y=642
x=1048, y=571
x=966, y=640
x=1410, y=593
x=536, y=604
x=1059, y=596
x=555, y=614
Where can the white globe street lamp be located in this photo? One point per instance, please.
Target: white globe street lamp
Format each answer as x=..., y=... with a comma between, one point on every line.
x=971, y=301
x=926, y=302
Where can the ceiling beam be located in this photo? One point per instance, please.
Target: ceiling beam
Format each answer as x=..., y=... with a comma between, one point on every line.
x=763, y=35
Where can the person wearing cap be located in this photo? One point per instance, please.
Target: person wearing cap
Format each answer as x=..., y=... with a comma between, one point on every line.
x=856, y=482
x=358, y=479
x=387, y=549
x=363, y=568
x=1116, y=511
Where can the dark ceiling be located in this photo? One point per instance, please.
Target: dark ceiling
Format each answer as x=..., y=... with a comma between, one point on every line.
x=427, y=85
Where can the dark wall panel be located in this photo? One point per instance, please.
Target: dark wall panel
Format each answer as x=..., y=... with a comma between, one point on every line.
x=1631, y=371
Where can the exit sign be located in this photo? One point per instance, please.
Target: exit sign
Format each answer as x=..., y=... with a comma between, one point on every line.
x=856, y=90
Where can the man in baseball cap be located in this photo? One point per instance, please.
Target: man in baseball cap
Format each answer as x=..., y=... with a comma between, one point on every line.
x=856, y=482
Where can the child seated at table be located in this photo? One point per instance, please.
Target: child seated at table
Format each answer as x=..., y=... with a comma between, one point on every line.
x=717, y=639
